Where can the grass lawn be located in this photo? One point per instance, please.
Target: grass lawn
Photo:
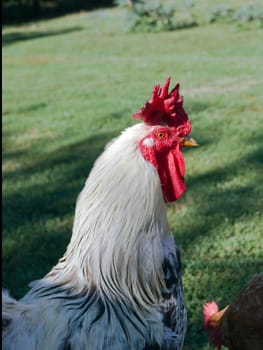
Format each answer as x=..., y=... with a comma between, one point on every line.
x=71, y=84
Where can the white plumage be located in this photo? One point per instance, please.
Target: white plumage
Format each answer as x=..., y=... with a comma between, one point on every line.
x=118, y=285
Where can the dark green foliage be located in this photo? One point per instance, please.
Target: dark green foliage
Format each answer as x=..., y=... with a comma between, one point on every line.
x=219, y=12
x=249, y=13
x=148, y=16
x=242, y=16
x=155, y=16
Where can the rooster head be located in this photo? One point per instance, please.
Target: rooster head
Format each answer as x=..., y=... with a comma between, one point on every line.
x=168, y=133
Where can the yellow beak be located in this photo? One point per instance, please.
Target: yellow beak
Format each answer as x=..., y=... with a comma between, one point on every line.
x=189, y=141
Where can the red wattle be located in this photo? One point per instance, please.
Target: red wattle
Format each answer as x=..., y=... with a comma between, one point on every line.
x=171, y=172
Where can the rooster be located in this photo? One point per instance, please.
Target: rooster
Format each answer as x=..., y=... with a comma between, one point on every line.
x=118, y=285
x=239, y=326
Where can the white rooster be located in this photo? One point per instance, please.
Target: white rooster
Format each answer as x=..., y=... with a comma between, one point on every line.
x=118, y=285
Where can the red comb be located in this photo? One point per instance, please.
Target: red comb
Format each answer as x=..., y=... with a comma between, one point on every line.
x=165, y=108
x=209, y=309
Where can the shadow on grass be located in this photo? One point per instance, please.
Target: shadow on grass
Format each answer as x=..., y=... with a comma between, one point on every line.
x=224, y=201
x=14, y=37
x=33, y=246
x=221, y=202
x=66, y=170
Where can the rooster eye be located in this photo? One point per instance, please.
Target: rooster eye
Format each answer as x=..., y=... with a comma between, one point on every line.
x=161, y=135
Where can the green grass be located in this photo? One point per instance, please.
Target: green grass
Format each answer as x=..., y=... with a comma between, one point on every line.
x=72, y=84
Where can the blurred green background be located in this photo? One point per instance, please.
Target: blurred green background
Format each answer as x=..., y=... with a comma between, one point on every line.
x=71, y=83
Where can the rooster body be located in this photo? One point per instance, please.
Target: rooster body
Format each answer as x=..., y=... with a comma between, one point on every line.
x=118, y=285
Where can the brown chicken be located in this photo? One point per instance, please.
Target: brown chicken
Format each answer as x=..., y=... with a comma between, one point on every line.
x=239, y=326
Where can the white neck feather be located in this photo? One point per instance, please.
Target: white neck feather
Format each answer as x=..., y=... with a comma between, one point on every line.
x=120, y=220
